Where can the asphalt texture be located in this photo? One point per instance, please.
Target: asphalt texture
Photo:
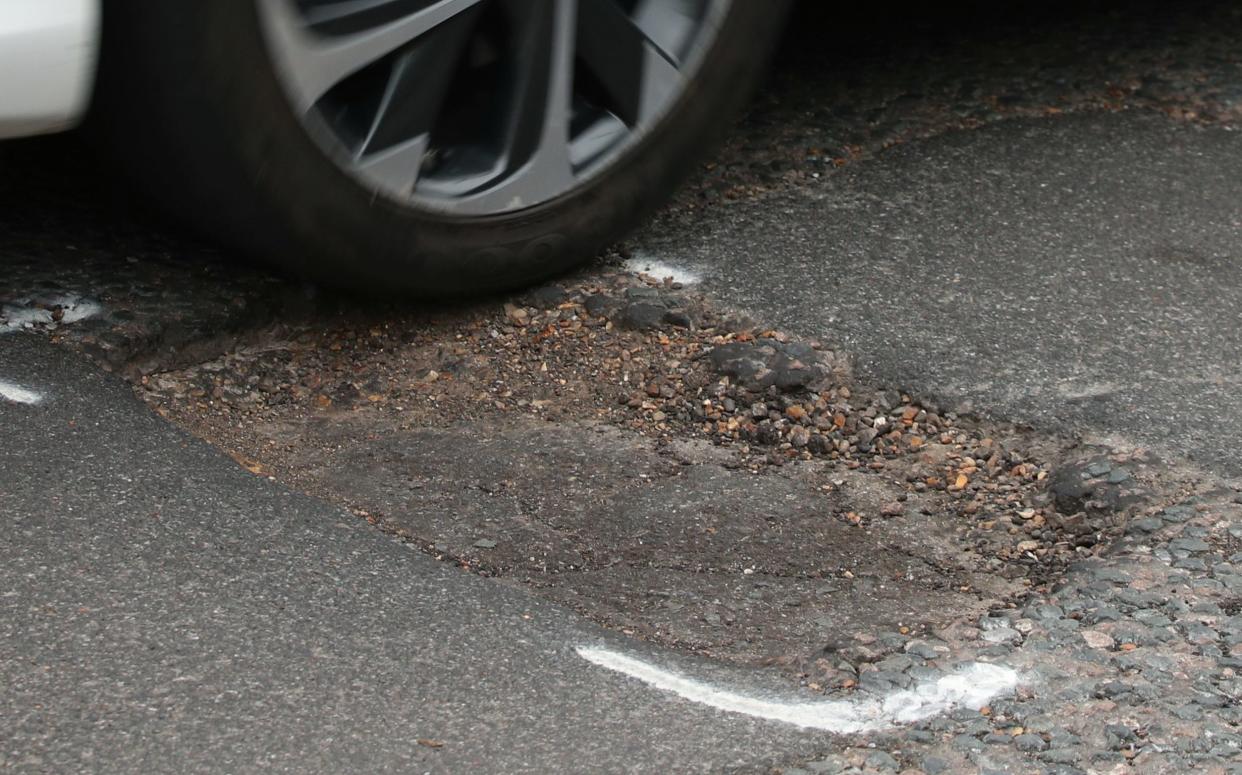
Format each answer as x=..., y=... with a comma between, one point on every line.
x=1082, y=273
x=165, y=611
x=1034, y=222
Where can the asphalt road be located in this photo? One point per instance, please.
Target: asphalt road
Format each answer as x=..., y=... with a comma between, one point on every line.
x=161, y=609
x=1080, y=273
x=165, y=611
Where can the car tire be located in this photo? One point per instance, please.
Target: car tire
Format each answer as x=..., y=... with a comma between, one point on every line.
x=191, y=100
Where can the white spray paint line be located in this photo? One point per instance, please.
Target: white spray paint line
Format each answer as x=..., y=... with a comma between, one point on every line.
x=642, y=263
x=971, y=687
x=18, y=394
x=32, y=312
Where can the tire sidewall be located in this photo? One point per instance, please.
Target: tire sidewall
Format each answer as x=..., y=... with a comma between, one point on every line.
x=341, y=230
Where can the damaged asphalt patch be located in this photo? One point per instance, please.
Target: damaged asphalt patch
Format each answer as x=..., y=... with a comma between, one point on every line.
x=670, y=470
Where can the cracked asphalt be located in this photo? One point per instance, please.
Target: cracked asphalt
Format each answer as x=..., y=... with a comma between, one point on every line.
x=1013, y=234
x=1091, y=288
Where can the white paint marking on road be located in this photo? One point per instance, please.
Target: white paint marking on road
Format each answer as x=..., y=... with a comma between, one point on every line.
x=971, y=687
x=642, y=263
x=48, y=312
x=18, y=394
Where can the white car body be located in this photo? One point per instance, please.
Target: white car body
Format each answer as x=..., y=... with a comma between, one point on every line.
x=48, y=53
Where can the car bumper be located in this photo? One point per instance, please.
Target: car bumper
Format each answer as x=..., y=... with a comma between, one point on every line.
x=48, y=51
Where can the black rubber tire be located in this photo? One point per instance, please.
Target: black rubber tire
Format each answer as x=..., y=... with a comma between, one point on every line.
x=188, y=99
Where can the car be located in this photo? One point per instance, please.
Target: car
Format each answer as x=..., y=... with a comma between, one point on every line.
x=416, y=148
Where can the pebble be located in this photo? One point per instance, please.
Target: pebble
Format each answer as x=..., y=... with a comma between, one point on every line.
x=1200, y=634
x=881, y=760
x=1118, y=475
x=1061, y=755
x=968, y=743
x=1098, y=640
x=1147, y=524
x=926, y=650
x=1189, y=545
x=828, y=765
x=1002, y=635
x=1030, y=742
x=1098, y=468
x=643, y=316
x=599, y=305
x=1177, y=513
x=934, y=765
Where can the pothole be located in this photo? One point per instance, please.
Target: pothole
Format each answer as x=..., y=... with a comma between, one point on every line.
x=667, y=469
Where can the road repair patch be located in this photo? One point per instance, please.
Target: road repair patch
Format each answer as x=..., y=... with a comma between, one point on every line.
x=670, y=470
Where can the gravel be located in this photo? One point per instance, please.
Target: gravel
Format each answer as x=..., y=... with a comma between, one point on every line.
x=635, y=473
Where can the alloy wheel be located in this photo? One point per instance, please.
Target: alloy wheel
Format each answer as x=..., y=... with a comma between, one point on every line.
x=481, y=107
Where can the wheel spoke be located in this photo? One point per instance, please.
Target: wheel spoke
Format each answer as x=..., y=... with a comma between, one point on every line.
x=337, y=17
x=313, y=63
x=481, y=107
x=396, y=169
x=536, y=164
x=668, y=24
x=418, y=85
x=638, y=75
x=661, y=81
